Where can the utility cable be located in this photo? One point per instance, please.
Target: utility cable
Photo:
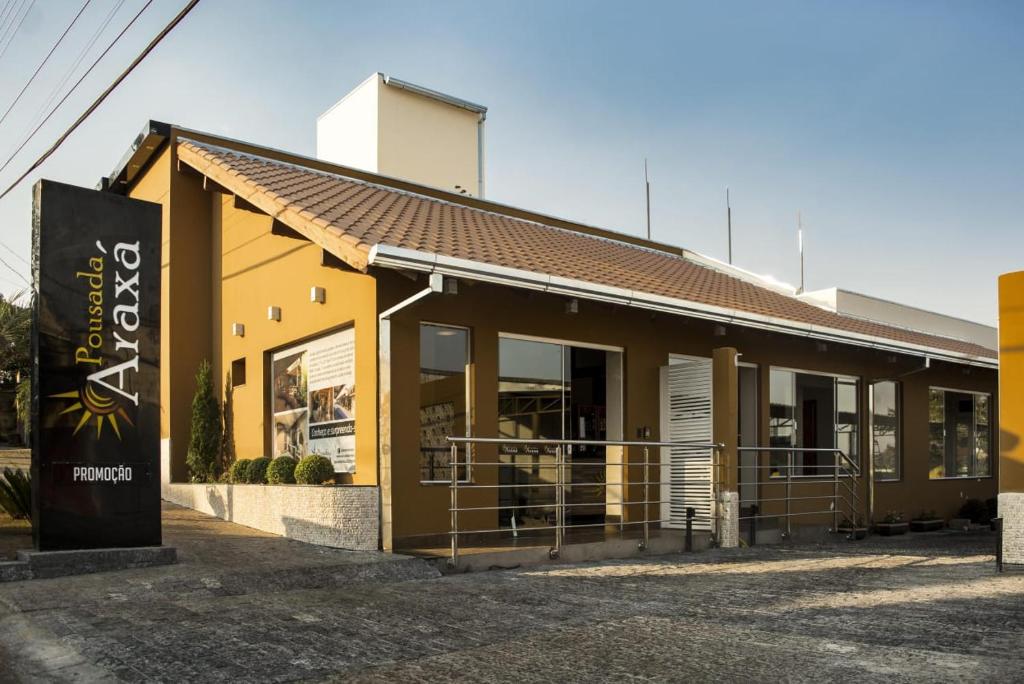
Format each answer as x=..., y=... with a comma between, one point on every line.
x=6, y=15
x=75, y=86
x=17, y=256
x=16, y=25
x=103, y=96
x=43, y=63
x=57, y=89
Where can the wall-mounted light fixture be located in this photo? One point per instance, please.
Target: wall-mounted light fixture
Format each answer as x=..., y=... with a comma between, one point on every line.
x=821, y=346
x=451, y=286
x=572, y=306
x=317, y=295
x=274, y=313
x=238, y=329
x=719, y=330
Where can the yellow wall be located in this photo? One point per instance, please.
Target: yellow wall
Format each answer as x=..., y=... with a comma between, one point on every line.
x=1011, y=382
x=202, y=296
x=426, y=141
x=647, y=341
x=185, y=331
x=258, y=269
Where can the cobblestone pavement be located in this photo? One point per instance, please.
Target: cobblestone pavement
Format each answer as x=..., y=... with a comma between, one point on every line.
x=914, y=608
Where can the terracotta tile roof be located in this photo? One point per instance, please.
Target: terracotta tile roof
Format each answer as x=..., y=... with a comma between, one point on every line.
x=350, y=216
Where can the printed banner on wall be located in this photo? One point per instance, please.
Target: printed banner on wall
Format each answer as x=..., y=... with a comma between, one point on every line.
x=314, y=400
x=96, y=384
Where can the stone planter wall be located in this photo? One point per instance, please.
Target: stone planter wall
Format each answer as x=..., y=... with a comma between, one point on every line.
x=342, y=517
x=1011, y=510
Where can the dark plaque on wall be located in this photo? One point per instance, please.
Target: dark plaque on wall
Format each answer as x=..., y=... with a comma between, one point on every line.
x=96, y=389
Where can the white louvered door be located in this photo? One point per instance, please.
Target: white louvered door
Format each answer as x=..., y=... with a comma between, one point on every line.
x=686, y=417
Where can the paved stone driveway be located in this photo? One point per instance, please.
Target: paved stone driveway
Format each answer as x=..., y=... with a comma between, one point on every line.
x=915, y=608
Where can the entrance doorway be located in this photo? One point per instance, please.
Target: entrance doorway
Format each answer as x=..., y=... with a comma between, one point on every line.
x=555, y=390
x=748, y=476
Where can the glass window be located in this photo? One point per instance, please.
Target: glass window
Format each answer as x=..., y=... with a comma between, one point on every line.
x=885, y=430
x=959, y=434
x=811, y=411
x=781, y=417
x=847, y=418
x=444, y=397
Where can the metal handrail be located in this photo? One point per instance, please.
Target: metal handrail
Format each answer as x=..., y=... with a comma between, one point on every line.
x=582, y=442
x=840, y=472
x=560, y=503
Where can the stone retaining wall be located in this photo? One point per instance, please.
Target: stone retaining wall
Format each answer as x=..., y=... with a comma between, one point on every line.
x=1011, y=510
x=343, y=517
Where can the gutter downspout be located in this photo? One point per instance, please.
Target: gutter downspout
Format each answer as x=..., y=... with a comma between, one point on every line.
x=436, y=284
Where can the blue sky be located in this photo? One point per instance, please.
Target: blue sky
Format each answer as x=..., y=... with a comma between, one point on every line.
x=894, y=127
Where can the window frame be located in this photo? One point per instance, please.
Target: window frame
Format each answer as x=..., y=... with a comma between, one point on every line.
x=898, y=396
x=468, y=399
x=859, y=385
x=974, y=434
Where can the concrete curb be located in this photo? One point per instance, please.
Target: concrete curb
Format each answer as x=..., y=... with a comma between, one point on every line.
x=48, y=564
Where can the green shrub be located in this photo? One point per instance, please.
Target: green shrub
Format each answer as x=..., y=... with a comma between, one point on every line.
x=205, y=438
x=240, y=471
x=314, y=469
x=257, y=473
x=16, y=494
x=282, y=470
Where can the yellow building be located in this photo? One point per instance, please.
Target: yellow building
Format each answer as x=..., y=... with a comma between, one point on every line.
x=376, y=284
x=1011, y=414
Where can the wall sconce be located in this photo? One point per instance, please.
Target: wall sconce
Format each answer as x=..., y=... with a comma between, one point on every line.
x=317, y=295
x=572, y=306
x=821, y=346
x=274, y=313
x=238, y=329
x=451, y=286
x=719, y=330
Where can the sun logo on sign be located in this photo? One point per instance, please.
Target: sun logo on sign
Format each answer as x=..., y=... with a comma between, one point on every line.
x=92, y=404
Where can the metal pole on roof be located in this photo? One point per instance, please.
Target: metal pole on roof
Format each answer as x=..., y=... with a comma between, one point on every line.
x=800, y=242
x=647, y=185
x=728, y=218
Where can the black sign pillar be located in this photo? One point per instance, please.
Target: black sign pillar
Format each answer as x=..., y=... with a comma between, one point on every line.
x=96, y=385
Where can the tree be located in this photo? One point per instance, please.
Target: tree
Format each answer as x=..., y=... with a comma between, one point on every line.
x=204, y=446
x=16, y=354
x=15, y=339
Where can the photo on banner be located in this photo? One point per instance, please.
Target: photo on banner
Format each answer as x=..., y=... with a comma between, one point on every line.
x=313, y=395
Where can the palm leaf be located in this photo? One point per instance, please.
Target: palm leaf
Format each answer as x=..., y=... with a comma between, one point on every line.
x=16, y=494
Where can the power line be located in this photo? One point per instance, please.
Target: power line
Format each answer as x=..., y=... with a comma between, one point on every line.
x=74, y=65
x=103, y=96
x=43, y=63
x=6, y=15
x=8, y=35
x=15, y=272
x=18, y=256
x=77, y=83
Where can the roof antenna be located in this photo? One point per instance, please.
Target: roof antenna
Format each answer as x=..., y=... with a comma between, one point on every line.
x=647, y=185
x=800, y=243
x=728, y=218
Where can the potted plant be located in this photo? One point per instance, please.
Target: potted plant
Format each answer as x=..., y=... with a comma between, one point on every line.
x=927, y=521
x=853, y=529
x=892, y=524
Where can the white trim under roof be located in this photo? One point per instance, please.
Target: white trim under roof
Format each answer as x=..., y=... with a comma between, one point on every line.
x=433, y=94
x=402, y=258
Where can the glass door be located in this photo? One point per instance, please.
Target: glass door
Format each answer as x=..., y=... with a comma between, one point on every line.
x=549, y=390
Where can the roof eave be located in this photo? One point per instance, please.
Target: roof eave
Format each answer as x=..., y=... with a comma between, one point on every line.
x=386, y=256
